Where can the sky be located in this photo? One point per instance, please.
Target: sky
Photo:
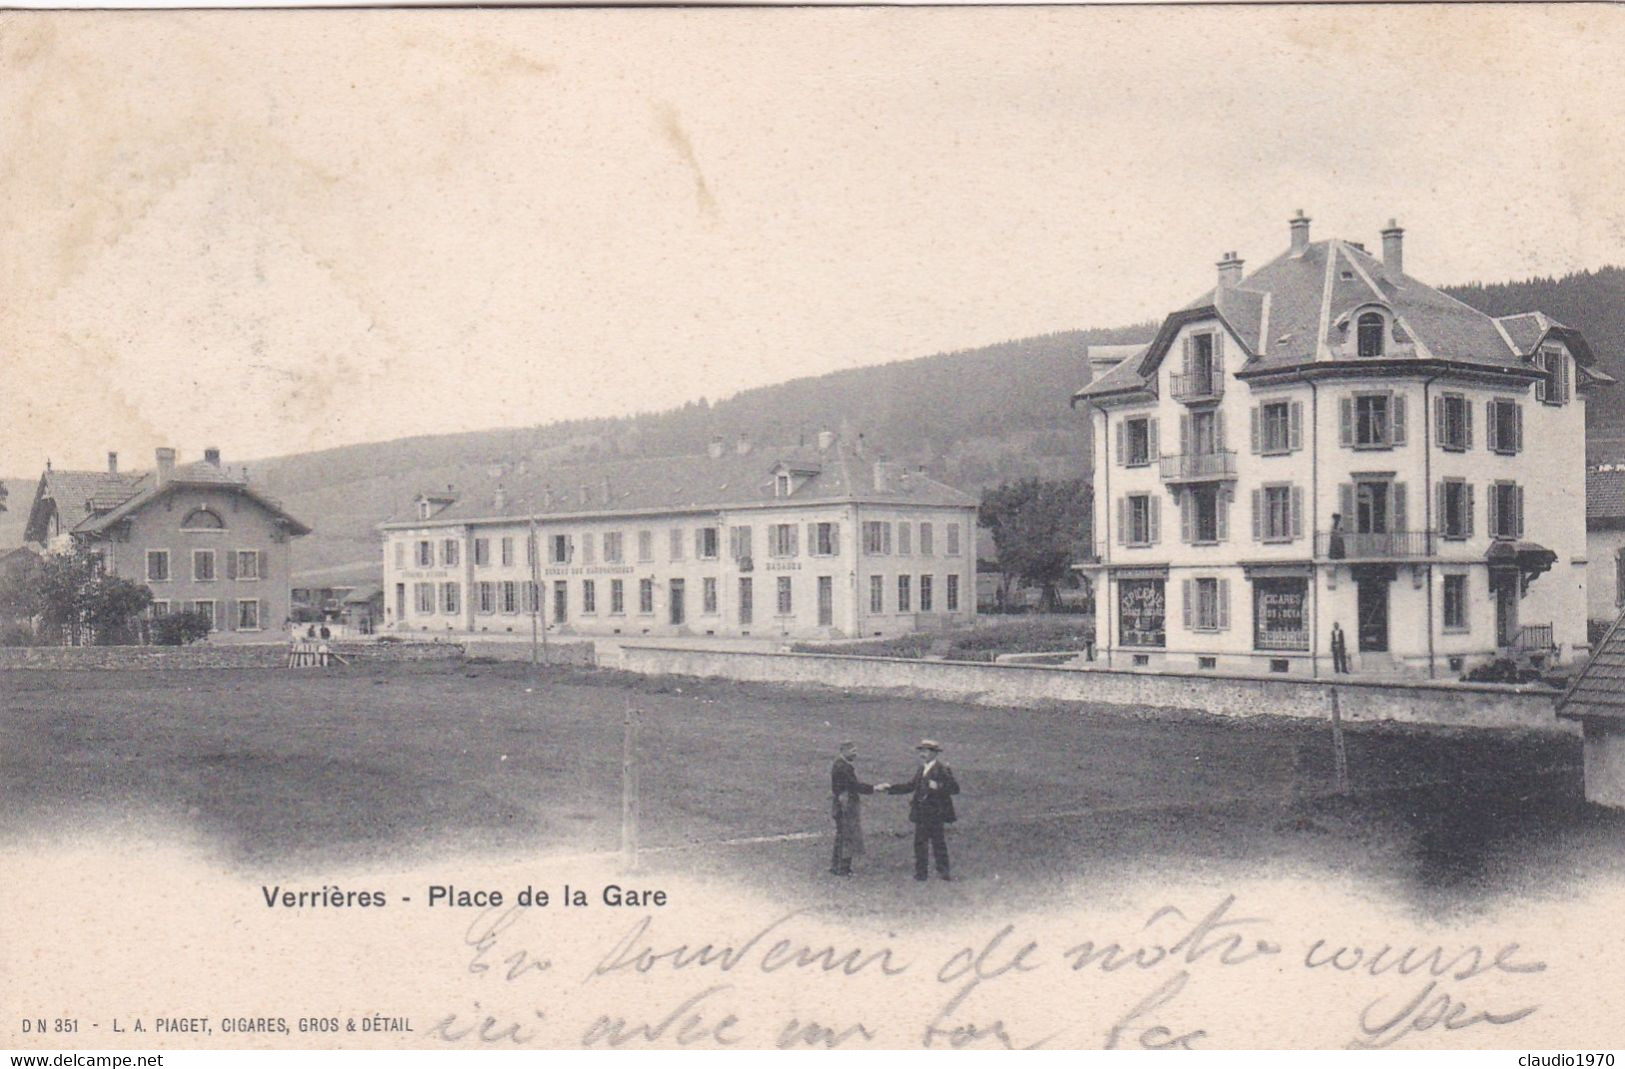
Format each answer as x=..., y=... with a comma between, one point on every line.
x=272, y=232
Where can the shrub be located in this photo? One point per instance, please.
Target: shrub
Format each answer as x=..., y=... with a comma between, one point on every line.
x=1501, y=670
x=18, y=635
x=1595, y=629
x=180, y=629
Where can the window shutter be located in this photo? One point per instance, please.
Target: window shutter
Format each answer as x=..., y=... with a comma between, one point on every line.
x=1253, y=432
x=1399, y=524
x=835, y=539
x=1218, y=431
x=1218, y=357
x=1294, y=415
x=1495, y=510
x=1186, y=356
x=1185, y=516
x=812, y=539
x=1224, y=604
x=1156, y=519
x=1396, y=409
x=1540, y=384
x=1297, y=512
x=1467, y=423
x=1517, y=428
x=1438, y=509
x=1518, y=495
x=1184, y=434
x=1151, y=449
x=265, y=564
x=1221, y=509
x=1122, y=444
x=1467, y=508
x=231, y=563
x=1258, y=515
x=1345, y=421
x=1122, y=521
x=1345, y=504
x=1185, y=601
x=1492, y=437
x=1439, y=436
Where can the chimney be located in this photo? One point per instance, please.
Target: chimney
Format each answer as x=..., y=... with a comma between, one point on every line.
x=825, y=440
x=166, y=465
x=1300, y=233
x=1229, y=270
x=211, y=455
x=112, y=463
x=499, y=500
x=547, y=497
x=1393, y=248
x=603, y=490
x=742, y=446
x=714, y=450
x=884, y=475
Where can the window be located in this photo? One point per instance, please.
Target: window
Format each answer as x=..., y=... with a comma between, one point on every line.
x=589, y=548
x=1136, y=441
x=1455, y=507
x=1277, y=513
x=400, y=555
x=1202, y=433
x=1141, y=612
x=589, y=596
x=905, y=539
x=423, y=598
x=674, y=544
x=1373, y=420
x=1280, y=614
x=1369, y=334
x=1506, y=510
x=485, y=598
x=202, y=519
x=646, y=546
x=746, y=593
x=1137, y=520
x=877, y=593
x=559, y=549
x=425, y=555
x=507, y=551
x=781, y=540
x=1453, y=422
x=927, y=546
x=510, y=596
x=448, y=552
x=876, y=537
x=781, y=485
x=205, y=609
x=953, y=540
x=925, y=593
x=646, y=596
x=903, y=593
x=739, y=539
x=1503, y=424
x=1207, y=604
x=1376, y=506
x=708, y=595
x=1201, y=351
x=953, y=593
x=482, y=552
x=157, y=565
x=1455, y=603
x=824, y=539
x=158, y=609
x=705, y=543
x=248, y=564
x=786, y=606
x=203, y=565
x=617, y=597
x=248, y=614
x=1277, y=427
x=1553, y=389
x=1203, y=516
x=614, y=548
x=451, y=598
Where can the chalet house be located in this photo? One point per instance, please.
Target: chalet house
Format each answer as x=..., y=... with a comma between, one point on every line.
x=811, y=542
x=1328, y=445
x=200, y=536
x=1605, y=540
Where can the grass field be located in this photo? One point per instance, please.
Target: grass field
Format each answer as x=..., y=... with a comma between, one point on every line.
x=285, y=772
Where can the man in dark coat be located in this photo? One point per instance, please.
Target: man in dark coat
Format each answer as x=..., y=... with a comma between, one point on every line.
x=845, y=806
x=930, y=807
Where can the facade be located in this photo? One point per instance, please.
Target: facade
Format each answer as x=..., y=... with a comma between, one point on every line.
x=199, y=536
x=1596, y=698
x=809, y=543
x=1605, y=541
x=1328, y=445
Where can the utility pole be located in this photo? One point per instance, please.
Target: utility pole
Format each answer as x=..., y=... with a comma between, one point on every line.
x=629, y=789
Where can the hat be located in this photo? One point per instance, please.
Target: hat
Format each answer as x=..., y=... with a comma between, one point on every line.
x=928, y=744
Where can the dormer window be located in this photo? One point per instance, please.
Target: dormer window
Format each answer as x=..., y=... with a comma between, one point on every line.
x=424, y=510
x=781, y=485
x=203, y=519
x=1553, y=389
x=1369, y=333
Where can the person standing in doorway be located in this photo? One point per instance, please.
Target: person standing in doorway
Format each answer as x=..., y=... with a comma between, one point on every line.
x=1340, y=650
x=930, y=808
x=846, y=807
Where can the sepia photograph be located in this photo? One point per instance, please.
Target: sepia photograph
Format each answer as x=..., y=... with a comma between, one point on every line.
x=813, y=528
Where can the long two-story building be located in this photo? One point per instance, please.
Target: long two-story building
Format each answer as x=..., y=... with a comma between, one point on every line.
x=1328, y=448
x=815, y=542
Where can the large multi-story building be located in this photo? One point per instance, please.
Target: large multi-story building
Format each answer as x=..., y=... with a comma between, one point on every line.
x=201, y=537
x=814, y=542
x=1328, y=446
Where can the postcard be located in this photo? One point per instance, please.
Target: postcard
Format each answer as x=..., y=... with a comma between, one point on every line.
x=859, y=528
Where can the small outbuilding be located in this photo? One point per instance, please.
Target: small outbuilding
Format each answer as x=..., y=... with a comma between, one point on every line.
x=1596, y=698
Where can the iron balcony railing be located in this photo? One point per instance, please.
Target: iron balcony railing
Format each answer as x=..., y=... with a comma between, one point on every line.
x=1374, y=545
x=1197, y=386
x=1534, y=638
x=1219, y=464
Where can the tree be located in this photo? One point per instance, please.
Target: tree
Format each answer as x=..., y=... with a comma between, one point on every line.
x=1036, y=525
x=76, y=600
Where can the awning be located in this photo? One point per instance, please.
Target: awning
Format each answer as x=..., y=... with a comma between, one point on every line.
x=1526, y=559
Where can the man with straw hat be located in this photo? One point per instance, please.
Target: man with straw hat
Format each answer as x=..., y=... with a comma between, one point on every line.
x=930, y=807
x=845, y=806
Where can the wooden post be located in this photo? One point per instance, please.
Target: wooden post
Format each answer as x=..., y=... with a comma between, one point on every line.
x=534, y=552
x=1340, y=754
x=629, y=790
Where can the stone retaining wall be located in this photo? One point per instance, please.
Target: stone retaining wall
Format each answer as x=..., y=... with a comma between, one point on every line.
x=213, y=655
x=1024, y=685
x=581, y=654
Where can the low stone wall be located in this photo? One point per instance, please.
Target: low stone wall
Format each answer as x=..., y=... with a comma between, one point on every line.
x=396, y=652
x=213, y=655
x=1025, y=685
x=581, y=654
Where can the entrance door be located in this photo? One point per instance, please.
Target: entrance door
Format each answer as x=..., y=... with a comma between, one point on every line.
x=1506, y=612
x=400, y=601
x=1372, y=595
x=826, y=600
x=561, y=601
x=676, y=601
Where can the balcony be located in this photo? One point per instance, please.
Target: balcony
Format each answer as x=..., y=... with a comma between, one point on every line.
x=1199, y=467
x=1199, y=386
x=1374, y=545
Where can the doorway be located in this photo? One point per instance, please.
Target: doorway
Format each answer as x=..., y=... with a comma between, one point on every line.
x=826, y=601
x=400, y=601
x=1372, y=598
x=676, y=601
x=1506, y=611
x=561, y=601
